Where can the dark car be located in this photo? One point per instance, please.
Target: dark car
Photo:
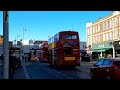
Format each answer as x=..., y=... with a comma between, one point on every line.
x=107, y=68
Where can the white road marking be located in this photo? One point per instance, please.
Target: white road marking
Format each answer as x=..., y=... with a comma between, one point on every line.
x=26, y=73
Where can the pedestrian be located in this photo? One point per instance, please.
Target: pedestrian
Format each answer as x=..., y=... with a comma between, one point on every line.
x=1, y=58
x=12, y=63
x=25, y=58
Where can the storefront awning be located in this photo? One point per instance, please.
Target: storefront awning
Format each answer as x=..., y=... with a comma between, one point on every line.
x=99, y=50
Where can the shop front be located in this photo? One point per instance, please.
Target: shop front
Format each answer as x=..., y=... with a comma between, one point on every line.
x=117, y=48
x=102, y=50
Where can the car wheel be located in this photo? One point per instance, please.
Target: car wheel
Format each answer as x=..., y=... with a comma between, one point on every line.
x=92, y=75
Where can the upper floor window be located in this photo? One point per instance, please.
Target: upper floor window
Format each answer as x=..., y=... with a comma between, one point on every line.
x=106, y=24
x=104, y=37
x=115, y=21
x=98, y=27
x=103, y=26
x=87, y=31
x=119, y=19
x=93, y=39
x=116, y=34
x=110, y=23
x=98, y=38
x=90, y=30
x=93, y=29
x=111, y=35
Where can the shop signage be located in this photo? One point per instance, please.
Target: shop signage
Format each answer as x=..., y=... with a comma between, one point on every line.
x=103, y=45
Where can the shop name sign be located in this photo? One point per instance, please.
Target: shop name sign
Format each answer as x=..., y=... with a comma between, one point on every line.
x=101, y=46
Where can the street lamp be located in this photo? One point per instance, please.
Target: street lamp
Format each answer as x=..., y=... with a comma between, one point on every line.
x=15, y=44
x=113, y=47
x=23, y=34
x=23, y=38
x=5, y=44
x=17, y=37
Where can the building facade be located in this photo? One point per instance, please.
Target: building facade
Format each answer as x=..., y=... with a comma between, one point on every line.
x=103, y=34
x=82, y=46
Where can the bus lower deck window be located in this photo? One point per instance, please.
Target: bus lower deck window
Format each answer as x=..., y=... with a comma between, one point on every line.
x=67, y=51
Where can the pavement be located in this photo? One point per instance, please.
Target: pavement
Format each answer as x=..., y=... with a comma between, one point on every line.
x=85, y=66
x=1, y=69
x=22, y=73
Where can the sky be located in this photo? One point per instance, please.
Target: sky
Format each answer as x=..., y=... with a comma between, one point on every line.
x=39, y=25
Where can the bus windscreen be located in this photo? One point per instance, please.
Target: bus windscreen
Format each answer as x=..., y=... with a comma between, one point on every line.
x=69, y=37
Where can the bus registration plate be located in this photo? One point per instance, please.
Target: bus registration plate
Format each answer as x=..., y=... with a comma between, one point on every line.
x=69, y=58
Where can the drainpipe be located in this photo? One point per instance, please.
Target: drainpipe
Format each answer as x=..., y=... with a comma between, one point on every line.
x=101, y=54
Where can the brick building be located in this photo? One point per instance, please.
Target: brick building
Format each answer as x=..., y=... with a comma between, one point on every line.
x=103, y=36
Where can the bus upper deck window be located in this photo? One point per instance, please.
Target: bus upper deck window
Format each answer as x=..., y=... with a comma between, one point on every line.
x=69, y=37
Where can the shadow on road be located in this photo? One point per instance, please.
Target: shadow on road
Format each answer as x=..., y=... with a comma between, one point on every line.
x=63, y=68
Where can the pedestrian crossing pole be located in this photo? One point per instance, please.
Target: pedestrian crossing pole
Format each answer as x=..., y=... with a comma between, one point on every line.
x=5, y=45
x=113, y=47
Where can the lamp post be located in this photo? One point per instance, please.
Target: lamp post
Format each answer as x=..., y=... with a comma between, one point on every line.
x=23, y=38
x=17, y=40
x=15, y=44
x=5, y=45
x=17, y=37
x=113, y=49
x=22, y=47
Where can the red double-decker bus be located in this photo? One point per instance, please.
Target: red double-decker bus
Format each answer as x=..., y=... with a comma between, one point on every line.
x=64, y=49
x=44, y=51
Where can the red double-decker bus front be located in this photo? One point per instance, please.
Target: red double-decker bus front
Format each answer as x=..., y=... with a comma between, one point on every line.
x=44, y=52
x=66, y=50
